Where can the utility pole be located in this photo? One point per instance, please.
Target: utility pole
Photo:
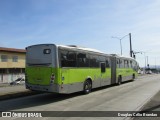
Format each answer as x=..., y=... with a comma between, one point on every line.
x=147, y=62
x=130, y=45
x=121, y=45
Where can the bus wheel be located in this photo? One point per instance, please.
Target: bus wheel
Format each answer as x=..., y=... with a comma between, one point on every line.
x=87, y=87
x=133, y=77
x=119, y=80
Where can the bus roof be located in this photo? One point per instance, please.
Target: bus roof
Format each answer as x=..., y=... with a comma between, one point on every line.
x=81, y=48
x=72, y=47
x=85, y=49
x=122, y=56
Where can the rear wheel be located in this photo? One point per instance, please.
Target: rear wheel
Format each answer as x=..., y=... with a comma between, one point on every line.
x=133, y=77
x=87, y=87
x=119, y=80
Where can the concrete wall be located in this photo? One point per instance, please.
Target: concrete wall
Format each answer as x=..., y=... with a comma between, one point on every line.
x=10, y=63
x=7, y=78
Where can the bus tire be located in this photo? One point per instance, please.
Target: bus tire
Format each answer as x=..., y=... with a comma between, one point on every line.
x=133, y=77
x=119, y=80
x=87, y=87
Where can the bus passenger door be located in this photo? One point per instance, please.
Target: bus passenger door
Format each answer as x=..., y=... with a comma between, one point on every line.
x=113, y=70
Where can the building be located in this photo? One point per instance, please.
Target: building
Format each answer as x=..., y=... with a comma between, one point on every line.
x=12, y=64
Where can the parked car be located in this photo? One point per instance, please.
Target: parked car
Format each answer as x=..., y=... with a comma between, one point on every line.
x=18, y=81
x=148, y=72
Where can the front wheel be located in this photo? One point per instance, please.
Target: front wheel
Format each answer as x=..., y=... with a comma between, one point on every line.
x=87, y=87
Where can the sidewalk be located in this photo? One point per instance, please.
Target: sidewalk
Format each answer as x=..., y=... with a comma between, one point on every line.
x=152, y=105
x=4, y=84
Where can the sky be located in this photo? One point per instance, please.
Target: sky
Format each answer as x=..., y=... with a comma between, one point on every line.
x=97, y=24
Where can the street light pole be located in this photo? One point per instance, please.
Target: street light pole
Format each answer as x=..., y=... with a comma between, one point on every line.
x=120, y=41
x=131, y=52
x=147, y=62
x=121, y=45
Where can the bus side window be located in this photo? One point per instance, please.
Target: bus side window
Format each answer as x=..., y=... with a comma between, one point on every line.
x=107, y=63
x=135, y=66
x=71, y=59
x=94, y=61
x=118, y=63
x=130, y=64
x=63, y=58
x=68, y=59
x=82, y=60
x=121, y=62
x=101, y=58
x=126, y=64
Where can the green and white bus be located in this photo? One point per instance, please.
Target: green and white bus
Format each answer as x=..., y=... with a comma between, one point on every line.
x=68, y=69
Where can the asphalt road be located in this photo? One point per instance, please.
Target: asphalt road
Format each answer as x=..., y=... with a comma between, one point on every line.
x=129, y=96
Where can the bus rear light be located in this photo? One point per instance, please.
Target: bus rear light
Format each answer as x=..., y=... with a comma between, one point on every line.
x=52, y=78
